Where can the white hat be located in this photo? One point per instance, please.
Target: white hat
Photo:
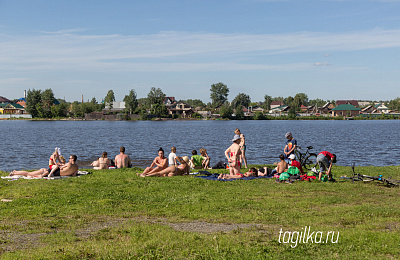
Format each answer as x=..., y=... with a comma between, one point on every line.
x=236, y=137
x=292, y=156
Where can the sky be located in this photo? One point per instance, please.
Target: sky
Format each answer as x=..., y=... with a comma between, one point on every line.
x=328, y=49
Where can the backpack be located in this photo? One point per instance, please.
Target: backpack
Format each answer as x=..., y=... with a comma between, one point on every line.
x=284, y=176
x=292, y=170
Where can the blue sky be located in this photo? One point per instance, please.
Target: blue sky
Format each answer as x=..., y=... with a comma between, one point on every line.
x=329, y=49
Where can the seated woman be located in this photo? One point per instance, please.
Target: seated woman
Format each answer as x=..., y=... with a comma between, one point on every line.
x=103, y=162
x=159, y=163
x=253, y=172
x=173, y=170
x=54, y=157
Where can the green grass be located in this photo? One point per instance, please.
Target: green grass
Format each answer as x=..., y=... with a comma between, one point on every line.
x=113, y=214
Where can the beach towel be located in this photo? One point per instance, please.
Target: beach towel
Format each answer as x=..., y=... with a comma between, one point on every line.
x=16, y=177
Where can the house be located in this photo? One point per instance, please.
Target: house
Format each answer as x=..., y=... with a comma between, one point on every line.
x=204, y=113
x=326, y=109
x=347, y=110
x=368, y=110
x=343, y=102
x=275, y=104
x=181, y=109
x=11, y=108
x=279, y=109
x=4, y=100
x=364, y=103
x=257, y=109
x=21, y=101
x=169, y=101
x=381, y=108
x=116, y=107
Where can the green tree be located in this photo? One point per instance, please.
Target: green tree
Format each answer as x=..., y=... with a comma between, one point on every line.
x=160, y=110
x=155, y=96
x=259, y=116
x=242, y=100
x=33, y=98
x=267, y=102
x=131, y=102
x=47, y=103
x=219, y=94
x=194, y=102
x=394, y=104
x=317, y=102
x=76, y=109
x=225, y=111
x=109, y=99
x=239, y=112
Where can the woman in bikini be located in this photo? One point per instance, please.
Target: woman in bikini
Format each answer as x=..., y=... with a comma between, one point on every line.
x=173, y=170
x=159, y=163
x=233, y=156
x=54, y=157
x=242, y=147
x=103, y=162
x=253, y=172
x=35, y=174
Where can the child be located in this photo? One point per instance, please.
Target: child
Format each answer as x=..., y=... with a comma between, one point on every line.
x=196, y=162
x=206, y=162
x=172, y=157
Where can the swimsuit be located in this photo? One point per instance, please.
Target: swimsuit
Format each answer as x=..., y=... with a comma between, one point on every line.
x=237, y=162
x=55, y=173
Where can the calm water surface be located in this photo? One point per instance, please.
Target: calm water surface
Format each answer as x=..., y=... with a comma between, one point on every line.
x=29, y=144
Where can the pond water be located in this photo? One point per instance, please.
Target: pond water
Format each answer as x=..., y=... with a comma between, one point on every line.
x=29, y=144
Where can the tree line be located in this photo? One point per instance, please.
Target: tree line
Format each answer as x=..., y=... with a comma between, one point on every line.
x=43, y=104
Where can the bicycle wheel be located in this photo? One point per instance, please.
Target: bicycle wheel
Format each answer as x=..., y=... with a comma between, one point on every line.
x=310, y=161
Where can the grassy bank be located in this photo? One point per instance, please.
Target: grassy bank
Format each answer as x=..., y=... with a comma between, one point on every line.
x=113, y=214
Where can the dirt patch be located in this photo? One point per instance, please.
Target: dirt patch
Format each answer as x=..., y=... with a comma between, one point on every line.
x=12, y=241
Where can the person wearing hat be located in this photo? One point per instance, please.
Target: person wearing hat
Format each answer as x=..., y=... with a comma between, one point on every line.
x=172, y=170
x=295, y=163
x=291, y=145
x=325, y=160
x=233, y=156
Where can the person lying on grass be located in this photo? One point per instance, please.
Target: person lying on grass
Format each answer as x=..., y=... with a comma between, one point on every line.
x=253, y=172
x=172, y=170
x=69, y=169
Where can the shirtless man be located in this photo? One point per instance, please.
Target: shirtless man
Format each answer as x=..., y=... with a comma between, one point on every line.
x=159, y=163
x=281, y=167
x=69, y=169
x=122, y=160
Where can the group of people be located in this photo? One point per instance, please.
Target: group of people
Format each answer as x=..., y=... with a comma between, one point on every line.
x=121, y=160
x=174, y=165
x=57, y=167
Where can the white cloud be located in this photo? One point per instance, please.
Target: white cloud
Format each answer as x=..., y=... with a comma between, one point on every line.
x=177, y=51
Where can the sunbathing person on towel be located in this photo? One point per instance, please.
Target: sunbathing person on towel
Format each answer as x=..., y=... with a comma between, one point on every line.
x=253, y=172
x=159, y=163
x=172, y=170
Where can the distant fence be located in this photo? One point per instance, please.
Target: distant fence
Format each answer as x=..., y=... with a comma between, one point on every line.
x=8, y=116
x=112, y=117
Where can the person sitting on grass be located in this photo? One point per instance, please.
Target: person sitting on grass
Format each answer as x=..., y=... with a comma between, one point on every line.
x=206, y=162
x=295, y=163
x=172, y=157
x=253, y=172
x=172, y=170
x=159, y=163
x=122, y=160
x=196, y=162
x=69, y=169
x=325, y=160
x=280, y=168
x=103, y=162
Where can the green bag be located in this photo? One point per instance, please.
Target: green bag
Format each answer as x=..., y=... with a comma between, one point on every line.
x=293, y=170
x=284, y=176
x=324, y=178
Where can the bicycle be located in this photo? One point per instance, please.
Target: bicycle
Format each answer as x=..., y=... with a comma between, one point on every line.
x=366, y=178
x=307, y=160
